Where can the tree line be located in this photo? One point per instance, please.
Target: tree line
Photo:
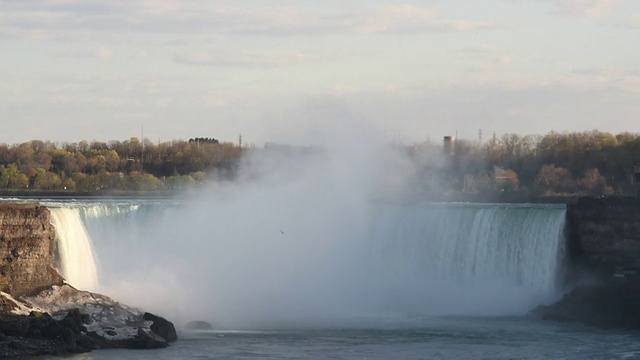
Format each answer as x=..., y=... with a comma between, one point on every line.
x=115, y=165
x=555, y=164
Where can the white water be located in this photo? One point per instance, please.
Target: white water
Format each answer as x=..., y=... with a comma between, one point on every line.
x=419, y=259
x=466, y=259
x=76, y=258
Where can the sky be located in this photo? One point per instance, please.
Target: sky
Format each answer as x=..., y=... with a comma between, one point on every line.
x=277, y=71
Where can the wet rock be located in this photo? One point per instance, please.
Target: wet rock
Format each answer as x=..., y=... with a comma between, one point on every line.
x=162, y=327
x=603, y=236
x=67, y=322
x=613, y=305
x=14, y=326
x=145, y=340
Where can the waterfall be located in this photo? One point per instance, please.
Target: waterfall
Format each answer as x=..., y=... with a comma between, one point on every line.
x=467, y=258
x=76, y=258
x=381, y=260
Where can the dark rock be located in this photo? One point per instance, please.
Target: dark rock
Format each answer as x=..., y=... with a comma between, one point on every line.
x=52, y=330
x=74, y=320
x=16, y=345
x=144, y=340
x=69, y=336
x=97, y=341
x=41, y=315
x=603, y=237
x=603, y=247
x=612, y=305
x=27, y=248
x=198, y=325
x=6, y=306
x=14, y=326
x=162, y=327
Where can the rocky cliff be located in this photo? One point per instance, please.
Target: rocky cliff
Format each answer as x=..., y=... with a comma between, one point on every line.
x=603, y=243
x=603, y=236
x=39, y=314
x=27, y=241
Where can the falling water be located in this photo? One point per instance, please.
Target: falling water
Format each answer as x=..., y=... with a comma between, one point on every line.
x=76, y=258
x=467, y=259
x=401, y=260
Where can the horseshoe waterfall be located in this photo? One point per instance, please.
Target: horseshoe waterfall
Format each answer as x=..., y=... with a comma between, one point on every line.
x=406, y=260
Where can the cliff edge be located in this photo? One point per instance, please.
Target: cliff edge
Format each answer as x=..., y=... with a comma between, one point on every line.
x=27, y=242
x=41, y=315
x=603, y=236
x=603, y=265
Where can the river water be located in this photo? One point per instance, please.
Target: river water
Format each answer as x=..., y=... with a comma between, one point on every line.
x=435, y=338
x=379, y=281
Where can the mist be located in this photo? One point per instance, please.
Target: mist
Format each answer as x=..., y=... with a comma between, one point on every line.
x=307, y=235
x=284, y=241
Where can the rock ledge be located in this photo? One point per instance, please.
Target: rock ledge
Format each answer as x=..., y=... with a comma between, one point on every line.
x=62, y=320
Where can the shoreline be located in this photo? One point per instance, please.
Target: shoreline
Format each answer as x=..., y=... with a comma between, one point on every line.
x=87, y=194
x=510, y=198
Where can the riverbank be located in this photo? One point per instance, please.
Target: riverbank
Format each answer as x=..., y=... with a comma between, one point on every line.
x=602, y=265
x=491, y=197
x=37, y=194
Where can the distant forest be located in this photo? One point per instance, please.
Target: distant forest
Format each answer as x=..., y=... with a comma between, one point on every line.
x=130, y=165
x=555, y=164
x=552, y=165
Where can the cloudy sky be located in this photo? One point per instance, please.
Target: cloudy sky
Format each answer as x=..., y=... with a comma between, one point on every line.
x=279, y=70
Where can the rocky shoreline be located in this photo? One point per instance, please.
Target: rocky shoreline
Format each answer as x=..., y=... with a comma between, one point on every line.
x=603, y=259
x=40, y=334
x=63, y=320
x=42, y=315
x=614, y=305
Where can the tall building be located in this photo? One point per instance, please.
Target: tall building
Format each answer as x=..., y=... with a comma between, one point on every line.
x=449, y=145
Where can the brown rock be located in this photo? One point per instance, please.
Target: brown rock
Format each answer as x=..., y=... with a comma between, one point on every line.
x=27, y=241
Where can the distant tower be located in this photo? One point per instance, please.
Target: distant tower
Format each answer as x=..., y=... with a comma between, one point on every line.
x=240, y=140
x=449, y=145
x=480, y=137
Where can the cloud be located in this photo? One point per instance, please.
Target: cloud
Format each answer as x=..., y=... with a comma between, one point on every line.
x=48, y=16
x=487, y=58
x=599, y=79
x=104, y=53
x=588, y=8
x=528, y=104
x=248, y=59
x=634, y=21
x=281, y=21
x=55, y=19
x=412, y=19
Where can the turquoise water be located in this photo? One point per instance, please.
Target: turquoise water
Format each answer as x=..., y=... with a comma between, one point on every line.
x=377, y=281
x=437, y=338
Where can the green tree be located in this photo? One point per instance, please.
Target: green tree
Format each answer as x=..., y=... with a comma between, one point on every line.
x=139, y=181
x=46, y=180
x=12, y=178
x=68, y=184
